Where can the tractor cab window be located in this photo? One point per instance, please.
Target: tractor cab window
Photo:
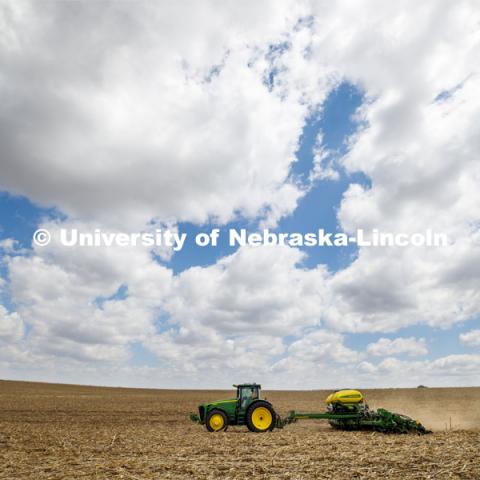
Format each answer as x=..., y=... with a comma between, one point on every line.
x=247, y=395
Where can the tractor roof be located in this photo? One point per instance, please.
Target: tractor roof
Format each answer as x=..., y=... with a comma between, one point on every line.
x=248, y=385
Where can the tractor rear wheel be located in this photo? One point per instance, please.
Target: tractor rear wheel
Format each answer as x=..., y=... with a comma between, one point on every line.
x=261, y=417
x=217, y=421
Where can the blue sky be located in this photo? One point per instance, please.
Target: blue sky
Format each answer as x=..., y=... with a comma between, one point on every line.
x=249, y=118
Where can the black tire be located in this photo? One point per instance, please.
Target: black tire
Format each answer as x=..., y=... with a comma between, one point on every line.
x=251, y=411
x=210, y=427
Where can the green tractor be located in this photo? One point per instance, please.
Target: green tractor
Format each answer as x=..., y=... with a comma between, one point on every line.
x=246, y=409
x=346, y=410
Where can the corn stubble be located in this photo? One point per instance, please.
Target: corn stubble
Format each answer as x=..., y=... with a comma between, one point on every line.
x=73, y=432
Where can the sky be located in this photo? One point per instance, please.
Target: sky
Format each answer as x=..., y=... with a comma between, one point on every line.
x=291, y=116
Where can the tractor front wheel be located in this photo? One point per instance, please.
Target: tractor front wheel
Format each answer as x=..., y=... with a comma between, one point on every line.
x=261, y=417
x=217, y=421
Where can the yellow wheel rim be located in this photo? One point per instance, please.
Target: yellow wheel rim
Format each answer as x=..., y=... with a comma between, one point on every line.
x=262, y=418
x=216, y=422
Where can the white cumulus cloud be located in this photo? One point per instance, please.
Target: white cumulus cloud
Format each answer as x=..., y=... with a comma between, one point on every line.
x=385, y=347
x=471, y=338
x=162, y=112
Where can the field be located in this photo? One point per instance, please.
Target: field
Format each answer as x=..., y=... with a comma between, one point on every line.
x=72, y=432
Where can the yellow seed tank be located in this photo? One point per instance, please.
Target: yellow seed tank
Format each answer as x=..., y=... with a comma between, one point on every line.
x=344, y=397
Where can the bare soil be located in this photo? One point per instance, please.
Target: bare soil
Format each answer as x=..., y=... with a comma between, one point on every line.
x=73, y=432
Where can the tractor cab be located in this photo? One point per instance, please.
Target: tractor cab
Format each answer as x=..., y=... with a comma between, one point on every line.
x=247, y=393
